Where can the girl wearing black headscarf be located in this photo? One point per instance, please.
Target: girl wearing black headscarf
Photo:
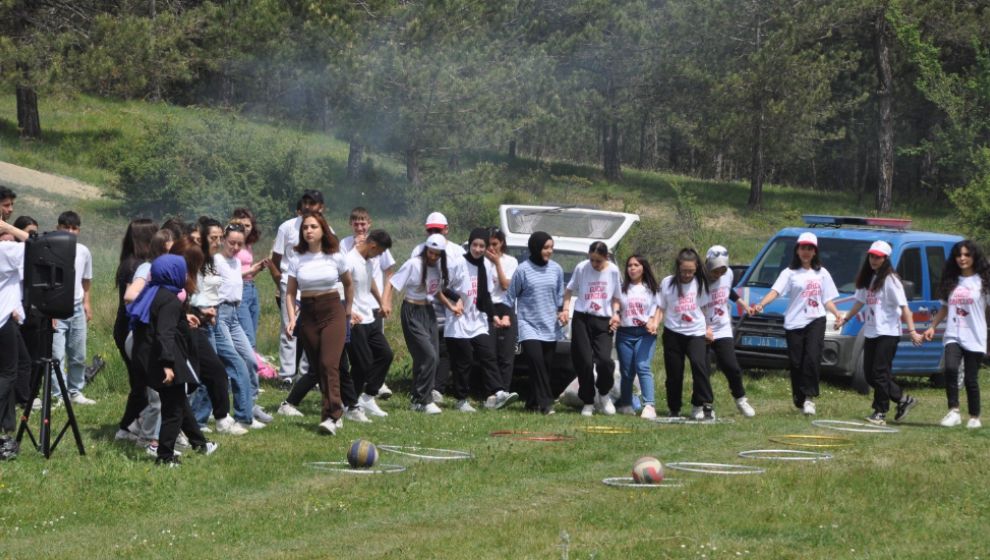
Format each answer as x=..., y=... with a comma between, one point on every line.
x=467, y=333
x=537, y=294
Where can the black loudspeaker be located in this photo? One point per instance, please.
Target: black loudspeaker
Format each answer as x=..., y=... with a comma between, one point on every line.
x=50, y=274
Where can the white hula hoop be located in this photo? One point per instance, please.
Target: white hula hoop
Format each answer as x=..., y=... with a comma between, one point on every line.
x=684, y=420
x=437, y=455
x=859, y=427
x=785, y=455
x=344, y=467
x=715, y=468
x=628, y=482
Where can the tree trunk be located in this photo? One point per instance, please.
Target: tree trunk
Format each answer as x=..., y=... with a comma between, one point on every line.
x=412, y=166
x=610, y=149
x=355, y=154
x=28, y=120
x=641, y=164
x=756, y=163
x=512, y=149
x=454, y=162
x=885, y=144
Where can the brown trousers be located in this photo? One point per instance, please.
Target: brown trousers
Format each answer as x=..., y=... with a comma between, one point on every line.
x=321, y=329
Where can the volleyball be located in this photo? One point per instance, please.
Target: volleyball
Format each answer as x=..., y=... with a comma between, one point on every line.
x=647, y=470
x=362, y=454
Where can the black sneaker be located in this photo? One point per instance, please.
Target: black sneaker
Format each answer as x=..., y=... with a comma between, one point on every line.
x=904, y=406
x=878, y=418
x=170, y=462
x=707, y=413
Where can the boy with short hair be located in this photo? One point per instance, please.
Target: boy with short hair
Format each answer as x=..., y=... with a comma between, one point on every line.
x=7, y=198
x=69, y=341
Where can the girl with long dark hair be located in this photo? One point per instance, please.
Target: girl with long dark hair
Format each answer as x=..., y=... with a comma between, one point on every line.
x=505, y=336
x=810, y=290
x=879, y=289
x=963, y=292
x=681, y=301
x=249, y=311
x=723, y=343
x=537, y=294
x=636, y=334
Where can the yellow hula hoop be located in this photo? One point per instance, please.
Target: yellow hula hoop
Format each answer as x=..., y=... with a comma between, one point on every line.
x=607, y=430
x=800, y=440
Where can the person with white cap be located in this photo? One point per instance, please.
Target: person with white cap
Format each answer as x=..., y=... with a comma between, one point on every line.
x=721, y=280
x=810, y=290
x=879, y=289
x=423, y=279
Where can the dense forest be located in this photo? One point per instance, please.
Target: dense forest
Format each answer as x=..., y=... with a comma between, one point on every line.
x=887, y=98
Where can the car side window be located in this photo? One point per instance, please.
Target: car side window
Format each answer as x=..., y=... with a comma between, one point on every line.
x=910, y=270
x=936, y=263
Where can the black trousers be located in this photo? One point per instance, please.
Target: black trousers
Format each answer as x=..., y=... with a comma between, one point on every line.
x=956, y=355
x=725, y=357
x=878, y=357
x=306, y=383
x=212, y=374
x=176, y=415
x=591, y=350
x=443, y=363
x=370, y=355
x=804, y=349
x=12, y=356
x=27, y=354
x=676, y=347
x=505, y=343
x=463, y=353
x=539, y=356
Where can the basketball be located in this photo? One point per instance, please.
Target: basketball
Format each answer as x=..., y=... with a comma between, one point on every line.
x=362, y=454
x=647, y=470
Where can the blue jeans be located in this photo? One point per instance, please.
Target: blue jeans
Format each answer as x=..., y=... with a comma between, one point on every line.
x=69, y=348
x=240, y=381
x=230, y=325
x=249, y=312
x=635, y=346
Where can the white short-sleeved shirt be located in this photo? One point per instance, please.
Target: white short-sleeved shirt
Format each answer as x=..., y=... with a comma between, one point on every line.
x=232, y=287
x=472, y=322
x=719, y=314
x=380, y=264
x=684, y=313
x=362, y=275
x=594, y=290
x=638, y=304
x=286, y=238
x=84, y=269
x=509, y=266
x=408, y=280
x=207, y=290
x=807, y=290
x=318, y=272
x=966, y=323
x=882, y=308
x=11, y=275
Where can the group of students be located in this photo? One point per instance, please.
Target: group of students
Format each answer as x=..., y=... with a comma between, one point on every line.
x=188, y=316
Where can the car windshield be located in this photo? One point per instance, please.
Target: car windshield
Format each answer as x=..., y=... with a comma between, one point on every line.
x=566, y=259
x=841, y=257
x=563, y=222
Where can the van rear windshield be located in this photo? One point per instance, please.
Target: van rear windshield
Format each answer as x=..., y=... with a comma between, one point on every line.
x=841, y=257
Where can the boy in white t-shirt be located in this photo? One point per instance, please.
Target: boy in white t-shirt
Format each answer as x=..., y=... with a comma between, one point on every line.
x=69, y=341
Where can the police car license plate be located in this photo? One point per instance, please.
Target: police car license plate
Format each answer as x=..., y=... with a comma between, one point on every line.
x=763, y=341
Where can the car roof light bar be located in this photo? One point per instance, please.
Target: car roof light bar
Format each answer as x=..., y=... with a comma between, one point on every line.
x=838, y=221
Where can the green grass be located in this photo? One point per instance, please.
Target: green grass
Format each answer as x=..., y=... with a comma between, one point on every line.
x=921, y=493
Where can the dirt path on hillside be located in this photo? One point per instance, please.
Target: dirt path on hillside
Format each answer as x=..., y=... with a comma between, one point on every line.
x=15, y=176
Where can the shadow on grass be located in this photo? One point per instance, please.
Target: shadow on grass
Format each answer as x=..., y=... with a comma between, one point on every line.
x=56, y=138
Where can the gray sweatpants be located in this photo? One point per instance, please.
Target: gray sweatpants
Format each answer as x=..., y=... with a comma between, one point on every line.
x=419, y=328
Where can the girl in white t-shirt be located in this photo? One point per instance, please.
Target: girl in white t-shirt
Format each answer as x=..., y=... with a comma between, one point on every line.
x=879, y=289
x=596, y=286
x=810, y=291
x=723, y=344
x=963, y=291
x=635, y=323
x=681, y=302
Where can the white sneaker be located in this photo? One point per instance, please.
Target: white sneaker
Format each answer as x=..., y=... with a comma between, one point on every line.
x=384, y=393
x=339, y=423
x=36, y=405
x=209, y=448
x=227, y=425
x=464, y=406
x=951, y=419
x=254, y=425
x=431, y=408
x=80, y=398
x=697, y=412
x=286, y=409
x=370, y=406
x=152, y=449
x=745, y=408
x=260, y=415
x=808, y=408
x=588, y=410
x=205, y=429
x=649, y=412
x=328, y=426
x=181, y=441
x=974, y=423
x=603, y=404
x=355, y=414
x=125, y=435
x=502, y=399
x=437, y=396
x=626, y=410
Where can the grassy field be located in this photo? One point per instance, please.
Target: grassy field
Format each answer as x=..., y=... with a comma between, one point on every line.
x=919, y=493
